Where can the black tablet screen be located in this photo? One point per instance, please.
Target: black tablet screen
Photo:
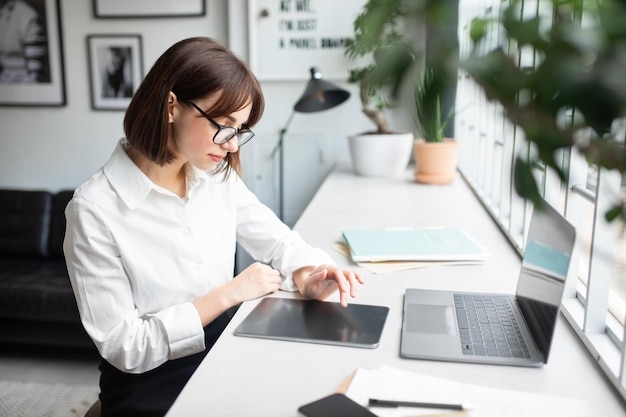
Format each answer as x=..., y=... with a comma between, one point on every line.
x=312, y=321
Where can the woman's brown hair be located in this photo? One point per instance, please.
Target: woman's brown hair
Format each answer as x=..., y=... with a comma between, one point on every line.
x=192, y=68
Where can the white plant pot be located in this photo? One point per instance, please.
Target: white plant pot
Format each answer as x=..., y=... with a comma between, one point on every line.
x=381, y=155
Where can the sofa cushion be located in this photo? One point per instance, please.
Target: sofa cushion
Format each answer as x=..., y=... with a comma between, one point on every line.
x=57, y=222
x=36, y=289
x=24, y=222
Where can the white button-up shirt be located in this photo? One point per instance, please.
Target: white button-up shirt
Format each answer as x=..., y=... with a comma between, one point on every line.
x=137, y=255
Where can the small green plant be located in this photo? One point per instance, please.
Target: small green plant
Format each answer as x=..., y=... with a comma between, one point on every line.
x=429, y=121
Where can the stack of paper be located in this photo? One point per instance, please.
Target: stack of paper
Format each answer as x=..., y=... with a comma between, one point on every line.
x=387, y=267
x=389, y=383
x=424, y=244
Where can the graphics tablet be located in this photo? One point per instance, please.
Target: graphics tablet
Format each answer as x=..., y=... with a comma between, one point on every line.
x=312, y=321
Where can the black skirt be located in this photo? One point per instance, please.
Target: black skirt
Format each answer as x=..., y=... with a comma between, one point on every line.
x=152, y=393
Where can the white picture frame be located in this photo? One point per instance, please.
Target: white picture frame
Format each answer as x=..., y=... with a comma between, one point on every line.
x=31, y=70
x=115, y=68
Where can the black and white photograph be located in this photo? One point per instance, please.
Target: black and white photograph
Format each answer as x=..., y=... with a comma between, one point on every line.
x=31, y=64
x=148, y=8
x=115, y=70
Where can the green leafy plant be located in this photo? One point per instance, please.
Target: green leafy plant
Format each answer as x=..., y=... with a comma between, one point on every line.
x=575, y=82
x=429, y=120
x=575, y=85
x=378, y=41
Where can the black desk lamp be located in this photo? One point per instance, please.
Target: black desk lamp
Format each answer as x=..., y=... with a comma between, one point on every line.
x=319, y=95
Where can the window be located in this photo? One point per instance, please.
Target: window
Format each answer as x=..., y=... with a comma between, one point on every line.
x=594, y=303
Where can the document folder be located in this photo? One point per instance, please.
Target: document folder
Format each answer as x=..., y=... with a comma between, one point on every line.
x=415, y=244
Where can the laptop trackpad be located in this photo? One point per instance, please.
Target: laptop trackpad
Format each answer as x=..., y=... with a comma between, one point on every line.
x=423, y=318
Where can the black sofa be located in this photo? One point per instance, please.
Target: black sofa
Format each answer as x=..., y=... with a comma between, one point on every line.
x=37, y=305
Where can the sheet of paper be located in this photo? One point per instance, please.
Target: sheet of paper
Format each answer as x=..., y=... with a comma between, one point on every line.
x=395, y=384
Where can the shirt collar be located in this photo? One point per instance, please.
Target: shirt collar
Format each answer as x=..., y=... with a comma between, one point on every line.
x=132, y=185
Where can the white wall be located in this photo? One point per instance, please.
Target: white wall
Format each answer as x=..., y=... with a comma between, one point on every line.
x=59, y=147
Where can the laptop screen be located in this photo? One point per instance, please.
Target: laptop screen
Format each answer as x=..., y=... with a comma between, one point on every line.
x=545, y=263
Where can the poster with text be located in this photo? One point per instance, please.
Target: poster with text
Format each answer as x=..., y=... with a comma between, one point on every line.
x=288, y=37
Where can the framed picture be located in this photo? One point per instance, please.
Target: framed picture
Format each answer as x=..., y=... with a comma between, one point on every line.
x=115, y=69
x=287, y=38
x=31, y=55
x=148, y=8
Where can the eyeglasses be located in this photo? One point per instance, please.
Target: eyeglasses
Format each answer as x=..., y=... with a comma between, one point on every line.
x=225, y=133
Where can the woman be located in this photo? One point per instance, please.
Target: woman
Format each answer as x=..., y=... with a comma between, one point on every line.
x=150, y=238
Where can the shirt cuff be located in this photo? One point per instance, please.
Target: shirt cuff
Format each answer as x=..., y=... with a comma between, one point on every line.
x=184, y=330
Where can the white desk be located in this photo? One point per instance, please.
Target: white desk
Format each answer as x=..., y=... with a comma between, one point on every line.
x=256, y=377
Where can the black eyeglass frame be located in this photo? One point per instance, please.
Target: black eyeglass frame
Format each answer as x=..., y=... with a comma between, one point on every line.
x=240, y=134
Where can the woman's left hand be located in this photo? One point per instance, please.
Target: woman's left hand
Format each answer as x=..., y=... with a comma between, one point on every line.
x=324, y=280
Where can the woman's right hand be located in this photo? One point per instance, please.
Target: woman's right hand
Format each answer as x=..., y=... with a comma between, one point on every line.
x=255, y=281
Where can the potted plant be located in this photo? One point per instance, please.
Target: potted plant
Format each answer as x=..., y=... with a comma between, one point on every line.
x=378, y=42
x=435, y=155
x=579, y=71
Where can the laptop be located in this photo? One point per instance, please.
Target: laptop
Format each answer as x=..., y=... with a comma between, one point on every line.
x=466, y=327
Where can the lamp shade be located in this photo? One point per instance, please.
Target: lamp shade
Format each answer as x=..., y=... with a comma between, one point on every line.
x=320, y=95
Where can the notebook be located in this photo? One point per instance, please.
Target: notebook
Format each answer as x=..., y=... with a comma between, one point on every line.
x=440, y=325
x=313, y=321
x=413, y=244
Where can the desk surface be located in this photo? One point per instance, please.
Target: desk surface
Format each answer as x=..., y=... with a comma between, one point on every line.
x=245, y=376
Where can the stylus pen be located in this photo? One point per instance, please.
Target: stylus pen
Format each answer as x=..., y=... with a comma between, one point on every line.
x=390, y=403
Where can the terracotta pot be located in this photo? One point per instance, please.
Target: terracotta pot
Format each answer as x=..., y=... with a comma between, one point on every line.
x=436, y=162
x=376, y=155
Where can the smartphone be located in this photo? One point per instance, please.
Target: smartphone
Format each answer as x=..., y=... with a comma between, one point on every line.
x=335, y=405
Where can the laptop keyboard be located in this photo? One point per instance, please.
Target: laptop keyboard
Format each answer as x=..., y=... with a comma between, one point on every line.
x=488, y=327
